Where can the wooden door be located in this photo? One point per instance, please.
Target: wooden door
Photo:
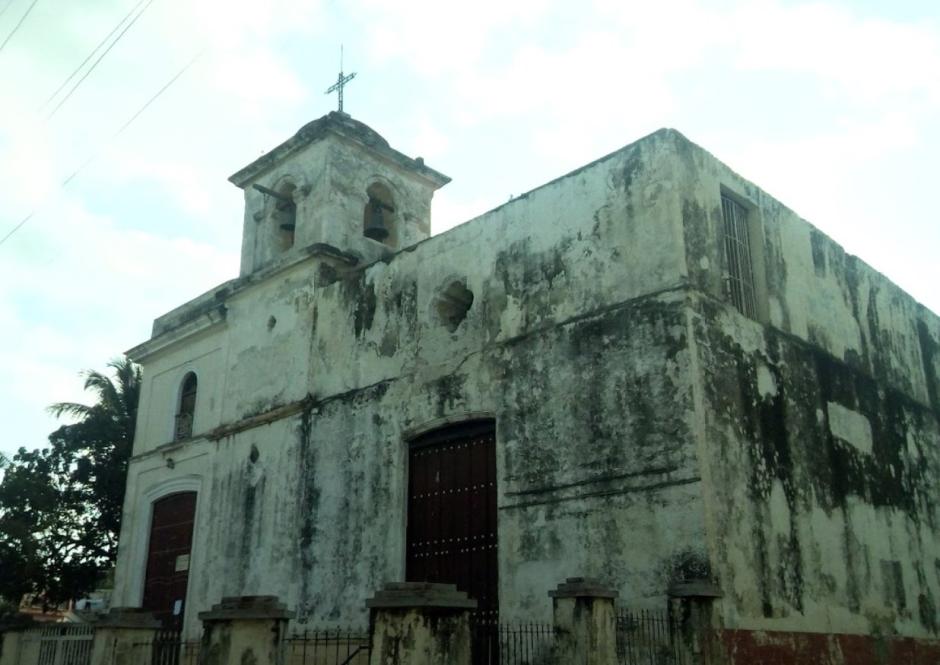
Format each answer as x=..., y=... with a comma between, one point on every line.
x=171, y=537
x=452, y=512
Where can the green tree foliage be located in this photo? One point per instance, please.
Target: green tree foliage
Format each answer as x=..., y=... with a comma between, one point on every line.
x=60, y=506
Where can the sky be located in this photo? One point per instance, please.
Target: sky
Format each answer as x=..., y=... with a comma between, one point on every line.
x=831, y=107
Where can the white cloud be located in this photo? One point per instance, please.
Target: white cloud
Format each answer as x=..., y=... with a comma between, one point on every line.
x=437, y=38
x=869, y=59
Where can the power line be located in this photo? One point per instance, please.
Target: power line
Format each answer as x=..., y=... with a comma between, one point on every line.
x=100, y=58
x=158, y=93
x=116, y=134
x=91, y=55
x=17, y=26
x=17, y=227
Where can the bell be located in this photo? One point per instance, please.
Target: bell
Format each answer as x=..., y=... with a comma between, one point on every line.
x=376, y=227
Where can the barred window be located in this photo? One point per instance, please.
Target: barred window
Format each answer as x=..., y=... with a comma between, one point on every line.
x=739, y=279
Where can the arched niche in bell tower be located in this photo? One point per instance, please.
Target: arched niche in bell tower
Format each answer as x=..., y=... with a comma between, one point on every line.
x=280, y=215
x=379, y=215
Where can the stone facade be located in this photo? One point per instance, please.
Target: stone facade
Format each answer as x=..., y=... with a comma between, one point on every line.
x=647, y=432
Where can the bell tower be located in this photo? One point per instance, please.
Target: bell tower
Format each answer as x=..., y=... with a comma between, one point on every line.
x=335, y=182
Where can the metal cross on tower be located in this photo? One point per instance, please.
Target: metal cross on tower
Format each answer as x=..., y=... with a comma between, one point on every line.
x=341, y=81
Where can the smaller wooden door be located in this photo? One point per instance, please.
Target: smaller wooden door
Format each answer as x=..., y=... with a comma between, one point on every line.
x=171, y=538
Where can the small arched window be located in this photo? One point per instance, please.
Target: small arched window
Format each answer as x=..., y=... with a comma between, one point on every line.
x=186, y=409
x=379, y=219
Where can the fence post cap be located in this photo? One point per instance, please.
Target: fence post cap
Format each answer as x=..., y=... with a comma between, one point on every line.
x=420, y=594
x=582, y=587
x=129, y=617
x=247, y=607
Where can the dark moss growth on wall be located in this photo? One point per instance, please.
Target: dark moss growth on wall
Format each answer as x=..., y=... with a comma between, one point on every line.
x=930, y=352
x=818, y=243
x=308, y=499
x=776, y=401
x=364, y=308
x=613, y=405
x=688, y=565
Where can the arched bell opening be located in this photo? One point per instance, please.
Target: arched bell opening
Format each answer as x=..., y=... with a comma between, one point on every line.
x=380, y=218
x=284, y=217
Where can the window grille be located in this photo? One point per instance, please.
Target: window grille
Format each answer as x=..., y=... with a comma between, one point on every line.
x=739, y=279
x=187, y=409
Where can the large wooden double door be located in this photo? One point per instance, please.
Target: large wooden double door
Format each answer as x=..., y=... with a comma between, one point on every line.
x=452, y=534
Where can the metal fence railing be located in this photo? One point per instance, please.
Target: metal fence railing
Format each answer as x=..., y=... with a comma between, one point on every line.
x=65, y=643
x=168, y=648
x=643, y=637
x=328, y=647
x=511, y=643
x=648, y=637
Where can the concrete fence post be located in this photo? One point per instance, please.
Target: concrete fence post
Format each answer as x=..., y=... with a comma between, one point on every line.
x=244, y=629
x=690, y=608
x=27, y=651
x=420, y=623
x=10, y=643
x=585, y=623
x=124, y=636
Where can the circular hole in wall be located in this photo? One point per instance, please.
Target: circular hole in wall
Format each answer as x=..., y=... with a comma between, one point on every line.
x=271, y=322
x=254, y=454
x=452, y=305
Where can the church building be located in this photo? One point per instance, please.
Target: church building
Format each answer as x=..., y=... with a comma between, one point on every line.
x=647, y=371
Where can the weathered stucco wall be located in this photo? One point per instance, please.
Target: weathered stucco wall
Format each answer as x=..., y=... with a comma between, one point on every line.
x=161, y=386
x=822, y=487
x=575, y=343
x=809, y=286
x=820, y=442
x=646, y=431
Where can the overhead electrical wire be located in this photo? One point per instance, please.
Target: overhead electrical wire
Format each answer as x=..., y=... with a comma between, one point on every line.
x=92, y=54
x=18, y=24
x=116, y=134
x=100, y=58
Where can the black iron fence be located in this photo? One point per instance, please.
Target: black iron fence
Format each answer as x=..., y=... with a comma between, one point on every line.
x=644, y=637
x=648, y=637
x=328, y=647
x=511, y=644
x=169, y=648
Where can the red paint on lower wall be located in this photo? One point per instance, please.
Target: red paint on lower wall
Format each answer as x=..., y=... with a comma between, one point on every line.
x=756, y=647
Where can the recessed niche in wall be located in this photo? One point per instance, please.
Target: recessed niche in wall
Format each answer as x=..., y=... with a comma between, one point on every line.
x=452, y=304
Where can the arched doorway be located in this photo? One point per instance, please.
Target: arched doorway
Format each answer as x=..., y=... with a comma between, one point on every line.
x=168, y=558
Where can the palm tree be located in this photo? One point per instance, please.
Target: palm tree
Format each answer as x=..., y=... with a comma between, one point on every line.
x=117, y=402
x=101, y=440
x=60, y=505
